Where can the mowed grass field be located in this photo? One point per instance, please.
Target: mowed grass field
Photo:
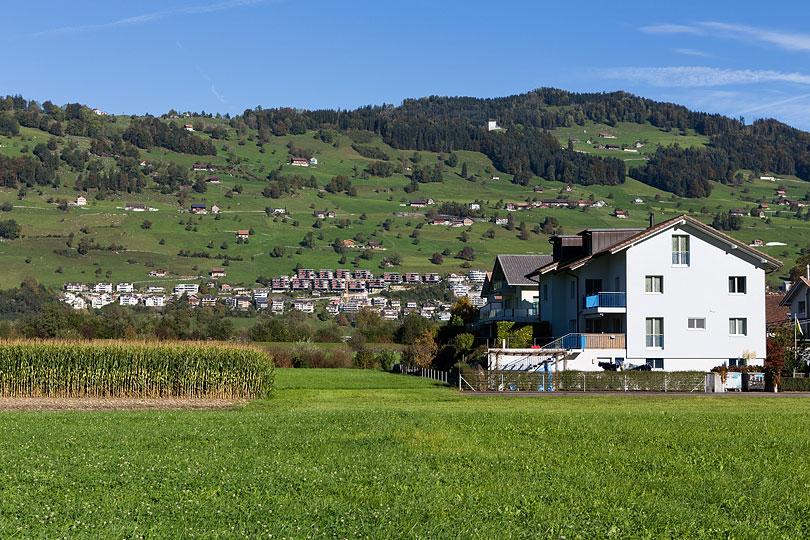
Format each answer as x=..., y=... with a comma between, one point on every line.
x=346, y=454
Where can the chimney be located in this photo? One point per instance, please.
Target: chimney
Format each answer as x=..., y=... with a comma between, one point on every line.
x=652, y=220
x=807, y=268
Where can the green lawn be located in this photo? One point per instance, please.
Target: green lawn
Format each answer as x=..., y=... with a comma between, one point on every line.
x=363, y=454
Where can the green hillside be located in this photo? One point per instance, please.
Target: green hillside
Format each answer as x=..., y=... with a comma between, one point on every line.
x=122, y=248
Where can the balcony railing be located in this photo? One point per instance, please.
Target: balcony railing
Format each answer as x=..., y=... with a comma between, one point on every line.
x=605, y=299
x=588, y=341
x=508, y=314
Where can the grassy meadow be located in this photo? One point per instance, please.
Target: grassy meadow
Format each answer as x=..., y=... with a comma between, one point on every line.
x=348, y=453
x=42, y=253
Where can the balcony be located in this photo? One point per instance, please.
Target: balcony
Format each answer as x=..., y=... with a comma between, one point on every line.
x=577, y=341
x=492, y=314
x=605, y=302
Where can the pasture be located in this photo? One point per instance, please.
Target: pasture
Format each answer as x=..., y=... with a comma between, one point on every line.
x=349, y=453
x=47, y=251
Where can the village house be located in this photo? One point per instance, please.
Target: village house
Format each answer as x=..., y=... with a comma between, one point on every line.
x=217, y=273
x=186, y=288
x=603, y=135
x=198, y=208
x=208, y=300
x=638, y=201
x=98, y=302
x=124, y=287
x=420, y=203
x=127, y=300
x=188, y=127
x=307, y=306
x=213, y=180
x=313, y=161
x=136, y=207
x=299, y=162
x=492, y=125
x=243, y=234
x=599, y=204
x=441, y=220
x=81, y=201
x=320, y=214
x=737, y=212
x=74, y=286
x=501, y=220
x=538, y=189
x=461, y=222
x=621, y=214
x=154, y=301
x=103, y=288
x=279, y=210
x=676, y=296
x=215, y=209
x=474, y=206
x=157, y=273
x=495, y=177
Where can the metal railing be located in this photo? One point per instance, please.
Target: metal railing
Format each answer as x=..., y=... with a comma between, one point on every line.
x=588, y=341
x=582, y=381
x=508, y=314
x=605, y=299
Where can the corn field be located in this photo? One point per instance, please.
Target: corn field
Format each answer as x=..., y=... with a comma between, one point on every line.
x=139, y=369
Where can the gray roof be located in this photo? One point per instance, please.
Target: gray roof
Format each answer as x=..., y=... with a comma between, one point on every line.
x=515, y=267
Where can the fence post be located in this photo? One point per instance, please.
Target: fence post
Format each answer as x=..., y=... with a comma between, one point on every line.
x=583, y=382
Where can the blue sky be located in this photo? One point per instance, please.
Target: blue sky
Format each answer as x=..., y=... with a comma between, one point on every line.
x=228, y=55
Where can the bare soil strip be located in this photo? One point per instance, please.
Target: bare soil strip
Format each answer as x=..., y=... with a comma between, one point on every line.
x=115, y=404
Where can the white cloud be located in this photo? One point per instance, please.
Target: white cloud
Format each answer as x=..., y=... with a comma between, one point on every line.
x=692, y=76
x=153, y=16
x=219, y=96
x=786, y=40
x=691, y=52
x=671, y=29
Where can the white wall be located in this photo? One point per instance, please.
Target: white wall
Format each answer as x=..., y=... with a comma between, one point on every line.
x=699, y=290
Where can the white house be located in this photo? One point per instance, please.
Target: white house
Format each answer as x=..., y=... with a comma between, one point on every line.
x=99, y=301
x=124, y=288
x=154, y=301
x=492, y=125
x=676, y=296
x=127, y=300
x=103, y=288
x=81, y=201
x=186, y=288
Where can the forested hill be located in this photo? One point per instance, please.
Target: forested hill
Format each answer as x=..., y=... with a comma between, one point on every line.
x=445, y=124
x=523, y=147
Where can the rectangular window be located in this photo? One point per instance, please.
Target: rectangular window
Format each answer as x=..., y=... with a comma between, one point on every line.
x=738, y=327
x=545, y=292
x=736, y=362
x=654, y=284
x=593, y=286
x=655, y=363
x=736, y=285
x=696, y=323
x=655, y=332
x=680, y=250
x=802, y=307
